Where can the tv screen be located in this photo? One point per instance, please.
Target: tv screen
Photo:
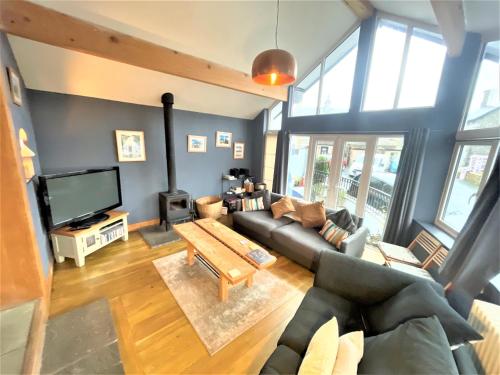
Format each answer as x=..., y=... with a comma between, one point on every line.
x=78, y=195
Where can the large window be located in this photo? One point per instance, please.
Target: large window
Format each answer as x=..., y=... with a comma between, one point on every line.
x=275, y=117
x=405, y=67
x=270, y=143
x=484, y=107
x=356, y=172
x=469, y=171
x=269, y=159
x=474, y=154
x=328, y=88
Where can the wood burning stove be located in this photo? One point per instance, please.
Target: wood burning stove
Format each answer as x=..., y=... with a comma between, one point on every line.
x=175, y=205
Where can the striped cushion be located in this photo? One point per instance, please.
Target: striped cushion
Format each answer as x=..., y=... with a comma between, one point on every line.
x=333, y=234
x=252, y=204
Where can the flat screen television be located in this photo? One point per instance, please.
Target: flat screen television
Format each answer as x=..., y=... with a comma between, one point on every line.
x=79, y=198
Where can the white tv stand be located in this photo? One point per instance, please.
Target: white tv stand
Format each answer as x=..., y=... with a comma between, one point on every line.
x=77, y=244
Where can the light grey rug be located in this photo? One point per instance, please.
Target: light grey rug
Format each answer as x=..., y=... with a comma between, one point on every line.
x=218, y=323
x=82, y=341
x=157, y=236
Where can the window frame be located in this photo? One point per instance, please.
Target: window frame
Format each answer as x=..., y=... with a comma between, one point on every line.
x=321, y=64
x=267, y=132
x=469, y=134
x=411, y=24
x=269, y=118
x=450, y=177
x=487, y=136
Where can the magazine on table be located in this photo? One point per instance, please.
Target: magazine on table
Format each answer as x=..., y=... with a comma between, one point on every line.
x=260, y=256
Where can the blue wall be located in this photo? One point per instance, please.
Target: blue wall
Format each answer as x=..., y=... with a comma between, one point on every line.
x=22, y=119
x=75, y=132
x=443, y=119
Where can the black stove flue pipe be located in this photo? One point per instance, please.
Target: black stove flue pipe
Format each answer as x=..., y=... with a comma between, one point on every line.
x=168, y=100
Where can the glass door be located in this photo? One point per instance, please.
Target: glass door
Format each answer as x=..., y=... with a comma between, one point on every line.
x=384, y=170
x=297, y=166
x=355, y=172
x=352, y=168
x=319, y=186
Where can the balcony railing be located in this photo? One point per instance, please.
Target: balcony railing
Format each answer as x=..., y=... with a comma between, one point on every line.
x=377, y=201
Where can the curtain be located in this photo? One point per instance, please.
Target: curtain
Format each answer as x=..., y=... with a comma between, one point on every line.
x=280, y=163
x=406, y=187
x=474, y=258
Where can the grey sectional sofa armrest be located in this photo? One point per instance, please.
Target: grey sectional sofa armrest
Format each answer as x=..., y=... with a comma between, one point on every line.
x=354, y=245
x=361, y=281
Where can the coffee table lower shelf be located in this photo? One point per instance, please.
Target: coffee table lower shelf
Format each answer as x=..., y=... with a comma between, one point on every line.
x=223, y=281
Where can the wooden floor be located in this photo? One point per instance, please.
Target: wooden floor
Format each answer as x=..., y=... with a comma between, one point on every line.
x=154, y=334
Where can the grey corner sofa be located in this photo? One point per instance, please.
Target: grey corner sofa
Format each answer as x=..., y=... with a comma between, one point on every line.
x=343, y=287
x=302, y=245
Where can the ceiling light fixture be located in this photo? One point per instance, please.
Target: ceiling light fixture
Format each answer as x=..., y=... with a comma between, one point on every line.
x=274, y=67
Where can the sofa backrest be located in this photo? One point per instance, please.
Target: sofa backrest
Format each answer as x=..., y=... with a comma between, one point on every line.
x=276, y=197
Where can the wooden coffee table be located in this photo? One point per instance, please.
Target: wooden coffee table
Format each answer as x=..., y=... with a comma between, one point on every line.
x=235, y=241
x=220, y=259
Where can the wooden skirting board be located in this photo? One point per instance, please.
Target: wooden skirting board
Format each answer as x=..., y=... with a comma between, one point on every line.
x=142, y=224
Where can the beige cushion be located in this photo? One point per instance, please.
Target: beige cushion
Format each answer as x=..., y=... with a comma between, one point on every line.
x=294, y=216
x=297, y=203
x=349, y=353
x=322, y=350
x=281, y=207
x=312, y=214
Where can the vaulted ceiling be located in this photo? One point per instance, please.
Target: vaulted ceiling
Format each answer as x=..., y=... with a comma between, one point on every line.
x=229, y=33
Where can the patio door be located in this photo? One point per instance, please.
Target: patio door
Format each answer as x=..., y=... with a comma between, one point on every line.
x=356, y=172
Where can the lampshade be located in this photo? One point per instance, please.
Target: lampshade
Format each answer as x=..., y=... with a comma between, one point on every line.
x=274, y=67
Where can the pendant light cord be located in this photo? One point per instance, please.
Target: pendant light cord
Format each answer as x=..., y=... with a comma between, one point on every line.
x=277, y=23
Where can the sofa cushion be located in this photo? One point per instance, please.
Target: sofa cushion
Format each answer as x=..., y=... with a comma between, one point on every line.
x=419, y=300
x=312, y=214
x=317, y=307
x=322, y=350
x=345, y=220
x=300, y=239
x=349, y=354
x=281, y=207
x=418, y=346
x=266, y=197
x=464, y=358
x=283, y=361
x=333, y=233
x=252, y=204
x=260, y=222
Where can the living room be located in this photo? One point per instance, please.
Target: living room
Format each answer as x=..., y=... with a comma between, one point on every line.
x=210, y=187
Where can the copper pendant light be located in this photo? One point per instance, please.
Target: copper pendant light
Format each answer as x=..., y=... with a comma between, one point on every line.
x=274, y=67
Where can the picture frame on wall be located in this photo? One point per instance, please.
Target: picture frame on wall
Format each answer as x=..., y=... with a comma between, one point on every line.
x=130, y=145
x=239, y=150
x=15, y=87
x=223, y=139
x=197, y=143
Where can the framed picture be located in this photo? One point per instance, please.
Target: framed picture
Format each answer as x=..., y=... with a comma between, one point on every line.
x=15, y=87
x=223, y=139
x=197, y=143
x=130, y=145
x=239, y=150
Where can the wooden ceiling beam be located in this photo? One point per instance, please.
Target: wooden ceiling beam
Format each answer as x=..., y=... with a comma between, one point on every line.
x=451, y=21
x=361, y=8
x=35, y=22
